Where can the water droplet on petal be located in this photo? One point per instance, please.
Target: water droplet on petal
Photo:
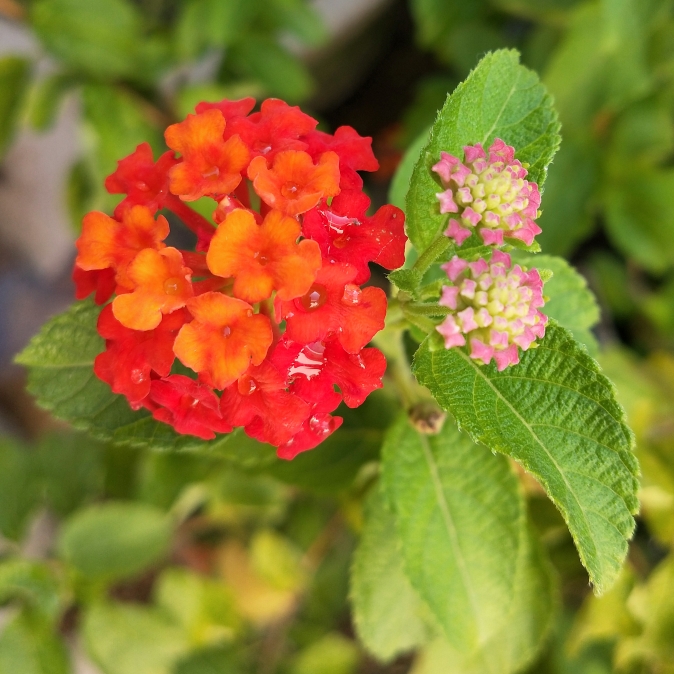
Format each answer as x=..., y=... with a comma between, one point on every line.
x=226, y=331
x=315, y=298
x=137, y=376
x=352, y=294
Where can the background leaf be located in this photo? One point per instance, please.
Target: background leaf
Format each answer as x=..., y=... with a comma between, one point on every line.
x=458, y=512
x=14, y=78
x=557, y=415
x=152, y=644
x=500, y=99
x=114, y=540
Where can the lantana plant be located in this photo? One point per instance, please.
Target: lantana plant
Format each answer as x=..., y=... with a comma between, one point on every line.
x=253, y=336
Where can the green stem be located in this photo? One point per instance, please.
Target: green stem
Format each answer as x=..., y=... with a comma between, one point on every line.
x=437, y=248
x=422, y=309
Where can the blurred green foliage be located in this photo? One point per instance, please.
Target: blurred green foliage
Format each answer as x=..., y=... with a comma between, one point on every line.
x=189, y=563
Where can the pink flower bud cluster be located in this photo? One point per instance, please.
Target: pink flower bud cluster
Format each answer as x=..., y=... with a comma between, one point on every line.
x=495, y=308
x=488, y=194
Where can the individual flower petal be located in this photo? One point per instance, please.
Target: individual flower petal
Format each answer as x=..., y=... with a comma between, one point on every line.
x=189, y=406
x=259, y=402
x=334, y=307
x=106, y=242
x=230, y=110
x=345, y=234
x=210, y=166
x=263, y=258
x=315, y=430
x=144, y=182
x=294, y=185
x=160, y=284
x=223, y=339
x=99, y=281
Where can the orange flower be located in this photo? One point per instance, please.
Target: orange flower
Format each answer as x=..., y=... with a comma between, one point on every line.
x=210, y=166
x=161, y=284
x=223, y=339
x=265, y=257
x=294, y=184
x=106, y=242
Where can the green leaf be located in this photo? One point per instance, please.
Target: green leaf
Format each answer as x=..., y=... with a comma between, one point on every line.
x=401, y=180
x=500, y=99
x=60, y=362
x=32, y=583
x=331, y=654
x=46, y=97
x=571, y=302
x=28, y=645
x=557, y=415
x=122, y=639
x=210, y=23
x=443, y=490
x=14, y=77
x=102, y=39
x=19, y=488
x=568, y=206
x=528, y=621
x=406, y=279
x=386, y=610
x=71, y=466
x=282, y=73
x=115, y=540
x=640, y=217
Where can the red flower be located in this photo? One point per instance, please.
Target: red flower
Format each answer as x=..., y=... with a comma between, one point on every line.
x=223, y=339
x=355, y=153
x=160, y=284
x=278, y=126
x=345, y=234
x=190, y=407
x=106, y=242
x=230, y=109
x=314, y=369
x=294, y=185
x=132, y=355
x=259, y=402
x=210, y=166
x=335, y=307
x=100, y=281
x=144, y=182
x=263, y=258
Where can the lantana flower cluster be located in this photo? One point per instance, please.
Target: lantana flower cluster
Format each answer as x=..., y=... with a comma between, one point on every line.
x=265, y=324
x=494, y=305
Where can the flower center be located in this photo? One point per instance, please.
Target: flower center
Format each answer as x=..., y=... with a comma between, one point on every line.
x=172, y=285
x=289, y=190
x=247, y=385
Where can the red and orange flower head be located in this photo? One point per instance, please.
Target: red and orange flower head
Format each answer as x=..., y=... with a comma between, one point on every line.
x=294, y=184
x=263, y=324
x=263, y=258
x=210, y=165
